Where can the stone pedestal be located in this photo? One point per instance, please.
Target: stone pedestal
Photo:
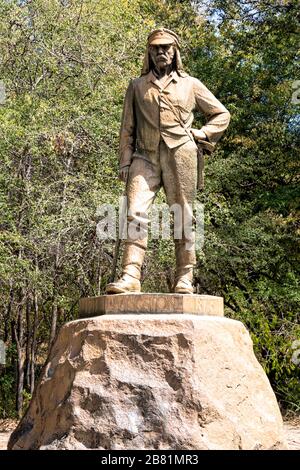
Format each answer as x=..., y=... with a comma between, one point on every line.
x=141, y=381
x=151, y=303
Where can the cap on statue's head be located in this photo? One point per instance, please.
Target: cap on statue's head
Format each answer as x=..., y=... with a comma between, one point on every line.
x=163, y=36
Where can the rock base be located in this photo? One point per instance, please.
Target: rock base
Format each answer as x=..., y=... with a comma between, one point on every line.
x=152, y=382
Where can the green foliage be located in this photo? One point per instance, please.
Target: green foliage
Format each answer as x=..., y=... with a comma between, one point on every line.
x=7, y=385
x=26, y=400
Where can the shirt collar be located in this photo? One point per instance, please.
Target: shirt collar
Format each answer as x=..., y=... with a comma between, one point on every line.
x=172, y=77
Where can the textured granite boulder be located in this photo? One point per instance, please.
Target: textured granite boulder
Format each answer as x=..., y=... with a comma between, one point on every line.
x=152, y=382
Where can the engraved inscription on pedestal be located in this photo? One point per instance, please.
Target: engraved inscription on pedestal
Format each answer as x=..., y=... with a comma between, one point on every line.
x=151, y=303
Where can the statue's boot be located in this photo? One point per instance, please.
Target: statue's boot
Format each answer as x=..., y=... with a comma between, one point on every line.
x=125, y=284
x=185, y=260
x=183, y=282
x=133, y=258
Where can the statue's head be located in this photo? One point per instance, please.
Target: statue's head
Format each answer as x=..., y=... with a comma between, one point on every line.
x=162, y=50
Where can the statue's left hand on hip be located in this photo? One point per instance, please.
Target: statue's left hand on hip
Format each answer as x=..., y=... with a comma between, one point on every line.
x=198, y=134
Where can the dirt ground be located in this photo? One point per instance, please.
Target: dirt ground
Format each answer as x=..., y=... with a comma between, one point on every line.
x=6, y=427
x=292, y=431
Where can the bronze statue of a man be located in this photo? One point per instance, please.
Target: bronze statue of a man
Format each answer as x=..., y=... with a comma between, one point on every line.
x=158, y=148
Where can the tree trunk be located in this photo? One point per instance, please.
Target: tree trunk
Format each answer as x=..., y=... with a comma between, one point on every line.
x=28, y=344
x=53, y=324
x=20, y=387
x=19, y=334
x=34, y=341
x=7, y=316
x=57, y=264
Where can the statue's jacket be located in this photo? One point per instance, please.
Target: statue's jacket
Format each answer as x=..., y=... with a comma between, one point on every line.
x=152, y=112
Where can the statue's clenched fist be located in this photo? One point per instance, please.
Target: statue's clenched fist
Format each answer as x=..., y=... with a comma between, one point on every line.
x=123, y=174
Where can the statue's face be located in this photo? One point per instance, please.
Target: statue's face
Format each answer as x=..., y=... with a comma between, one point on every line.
x=162, y=55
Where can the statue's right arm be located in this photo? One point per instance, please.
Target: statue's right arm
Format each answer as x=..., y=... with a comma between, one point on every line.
x=127, y=132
